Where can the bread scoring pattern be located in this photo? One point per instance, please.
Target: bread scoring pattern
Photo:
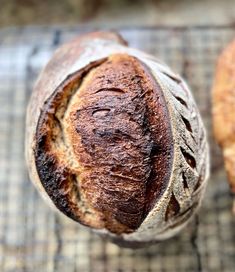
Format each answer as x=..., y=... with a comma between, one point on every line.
x=117, y=142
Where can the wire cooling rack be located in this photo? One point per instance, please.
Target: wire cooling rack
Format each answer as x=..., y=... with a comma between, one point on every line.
x=35, y=238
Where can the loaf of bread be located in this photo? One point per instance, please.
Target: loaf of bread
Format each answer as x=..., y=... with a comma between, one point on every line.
x=115, y=141
x=224, y=110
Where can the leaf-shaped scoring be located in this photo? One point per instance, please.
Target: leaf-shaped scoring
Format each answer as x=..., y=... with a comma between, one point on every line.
x=190, y=141
x=190, y=167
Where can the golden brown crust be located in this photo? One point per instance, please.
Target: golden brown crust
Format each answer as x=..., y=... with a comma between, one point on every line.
x=59, y=181
x=113, y=133
x=224, y=109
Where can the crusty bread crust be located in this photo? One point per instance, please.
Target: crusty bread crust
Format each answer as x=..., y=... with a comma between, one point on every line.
x=115, y=141
x=107, y=135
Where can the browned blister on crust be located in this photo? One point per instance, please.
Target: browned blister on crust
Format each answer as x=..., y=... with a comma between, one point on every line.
x=224, y=109
x=114, y=141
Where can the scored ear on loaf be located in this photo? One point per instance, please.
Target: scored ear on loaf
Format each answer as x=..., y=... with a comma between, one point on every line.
x=115, y=141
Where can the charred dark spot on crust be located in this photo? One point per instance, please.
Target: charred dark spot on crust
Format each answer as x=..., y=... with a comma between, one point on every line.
x=188, y=146
x=173, y=77
x=185, y=183
x=181, y=101
x=100, y=112
x=189, y=158
x=110, y=91
x=121, y=137
x=187, y=124
x=53, y=179
x=199, y=182
x=184, y=215
x=56, y=179
x=173, y=208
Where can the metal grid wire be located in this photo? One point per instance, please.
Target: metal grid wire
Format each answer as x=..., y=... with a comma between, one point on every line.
x=35, y=238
